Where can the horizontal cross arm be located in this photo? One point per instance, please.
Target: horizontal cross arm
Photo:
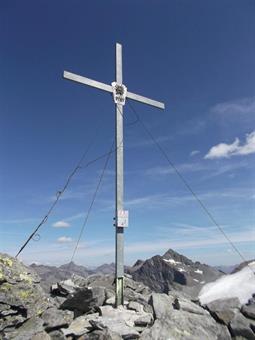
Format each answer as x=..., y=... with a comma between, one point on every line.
x=145, y=100
x=87, y=81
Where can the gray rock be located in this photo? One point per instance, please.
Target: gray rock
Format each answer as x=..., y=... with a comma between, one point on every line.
x=120, y=313
x=224, y=310
x=224, y=317
x=251, y=323
x=85, y=300
x=133, y=305
x=188, y=306
x=162, y=305
x=109, y=293
x=9, y=311
x=10, y=322
x=223, y=304
x=58, y=300
x=144, y=320
x=121, y=320
x=110, y=301
x=65, y=287
x=249, y=311
x=57, y=335
x=105, y=334
x=4, y=307
x=29, y=329
x=41, y=336
x=80, y=325
x=54, y=318
x=117, y=326
x=20, y=290
x=240, y=326
x=186, y=326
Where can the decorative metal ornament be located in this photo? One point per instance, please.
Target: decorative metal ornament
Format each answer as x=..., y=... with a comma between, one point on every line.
x=119, y=92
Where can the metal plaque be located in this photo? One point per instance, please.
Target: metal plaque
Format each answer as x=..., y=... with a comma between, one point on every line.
x=122, y=218
x=119, y=93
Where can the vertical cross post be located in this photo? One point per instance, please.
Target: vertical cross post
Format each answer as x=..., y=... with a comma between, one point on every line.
x=119, y=239
x=120, y=93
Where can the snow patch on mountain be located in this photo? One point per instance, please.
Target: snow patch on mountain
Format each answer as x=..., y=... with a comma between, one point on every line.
x=240, y=285
x=172, y=261
x=181, y=270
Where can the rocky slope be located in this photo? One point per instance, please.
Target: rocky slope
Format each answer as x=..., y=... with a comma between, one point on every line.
x=83, y=308
x=241, y=266
x=173, y=271
x=52, y=274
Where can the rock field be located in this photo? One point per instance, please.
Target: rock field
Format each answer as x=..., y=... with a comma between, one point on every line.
x=83, y=308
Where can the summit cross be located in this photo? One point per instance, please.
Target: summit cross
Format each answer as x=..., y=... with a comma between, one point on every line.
x=120, y=93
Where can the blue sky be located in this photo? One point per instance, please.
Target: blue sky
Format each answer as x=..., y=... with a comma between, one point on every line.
x=197, y=57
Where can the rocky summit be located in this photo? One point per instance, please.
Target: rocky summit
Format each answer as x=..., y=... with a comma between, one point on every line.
x=84, y=308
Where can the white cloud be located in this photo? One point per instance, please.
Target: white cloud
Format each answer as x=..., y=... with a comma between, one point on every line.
x=194, y=152
x=237, y=107
x=224, y=150
x=183, y=167
x=61, y=224
x=64, y=239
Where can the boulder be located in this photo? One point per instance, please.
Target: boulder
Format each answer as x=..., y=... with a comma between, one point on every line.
x=144, y=320
x=55, y=319
x=186, y=326
x=162, y=305
x=223, y=304
x=189, y=306
x=41, y=336
x=240, y=326
x=80, y=325
x=28, y=330
x=21, y=296
x=64, y=288
x=224, y=310
x=224, y=317
x=121, y=318
x=116, y=326
x=249, y=311
x=104, y=334
x=58, y=300
x=57, y=335
x=84, y=300
x=133, y=305
x=10, y=322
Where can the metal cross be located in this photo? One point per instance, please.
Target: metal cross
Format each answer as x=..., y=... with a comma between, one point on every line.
x=120, y=94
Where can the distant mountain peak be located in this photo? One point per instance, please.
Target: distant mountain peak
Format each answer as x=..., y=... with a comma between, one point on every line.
x=173, y=271
x=171, y=254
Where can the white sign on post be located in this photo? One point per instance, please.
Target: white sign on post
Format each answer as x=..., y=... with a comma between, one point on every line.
x=122, y=218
